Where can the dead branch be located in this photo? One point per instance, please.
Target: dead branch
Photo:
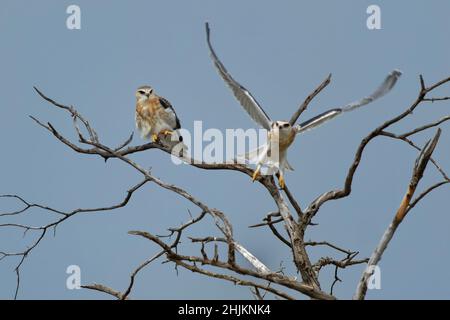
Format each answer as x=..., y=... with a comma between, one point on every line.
x=272, y=277
x=104, y=289
x=418, y=171
x=42, y=230
x=346, y=190
x=295, y=229
x=308, y=99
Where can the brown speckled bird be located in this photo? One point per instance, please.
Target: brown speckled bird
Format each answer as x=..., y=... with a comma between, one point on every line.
x=155, y=117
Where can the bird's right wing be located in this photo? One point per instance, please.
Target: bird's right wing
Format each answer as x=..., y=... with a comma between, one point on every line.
x=384, y=88
x=244, y=97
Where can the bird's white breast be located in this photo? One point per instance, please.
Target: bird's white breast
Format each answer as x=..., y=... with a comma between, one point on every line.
x=283, y=138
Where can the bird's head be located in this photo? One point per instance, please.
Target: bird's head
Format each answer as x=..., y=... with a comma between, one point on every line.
x=281, y=125
x=143, y=93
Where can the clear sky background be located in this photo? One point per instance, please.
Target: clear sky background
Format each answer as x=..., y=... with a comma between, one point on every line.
x=280, y=50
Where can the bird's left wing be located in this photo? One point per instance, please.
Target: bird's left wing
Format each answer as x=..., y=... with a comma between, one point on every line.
x=384, y=88
x=244, y=97
x=171, y=111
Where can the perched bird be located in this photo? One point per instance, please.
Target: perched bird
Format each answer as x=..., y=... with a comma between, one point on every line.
x=273, y=154
x=156, y=118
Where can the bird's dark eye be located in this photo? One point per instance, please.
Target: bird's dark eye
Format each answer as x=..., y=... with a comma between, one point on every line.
x=286, y=125
x=141, y=91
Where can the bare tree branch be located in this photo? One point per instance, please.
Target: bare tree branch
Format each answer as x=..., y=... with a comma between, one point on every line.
x=418, y=171
x=346, y=190
x=424, y=127
x=308, y=99
x=293, y=202
x=412, y=144
x=436, y=99
x=104, y=289
x=272, y=277
x=43, y=229
x=425, y=193
x=136, y=271
x=295, y=229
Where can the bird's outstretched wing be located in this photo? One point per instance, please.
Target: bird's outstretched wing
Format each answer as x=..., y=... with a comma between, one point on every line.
x=244, y=97
x=384, y=88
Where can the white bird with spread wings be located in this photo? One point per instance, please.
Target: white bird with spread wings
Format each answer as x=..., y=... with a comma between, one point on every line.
x=273, y=154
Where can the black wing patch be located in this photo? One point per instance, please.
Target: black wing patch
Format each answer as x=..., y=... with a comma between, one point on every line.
x=166, y=104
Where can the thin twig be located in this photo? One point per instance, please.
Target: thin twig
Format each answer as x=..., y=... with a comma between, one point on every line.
x=308, y=99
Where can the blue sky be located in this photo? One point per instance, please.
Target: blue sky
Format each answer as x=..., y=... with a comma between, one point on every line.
x=280, y=51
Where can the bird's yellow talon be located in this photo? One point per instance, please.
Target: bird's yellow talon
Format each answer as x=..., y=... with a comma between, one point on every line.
x=154, y=137
x=255, y=175
x=167, y=132
x=282, y=183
